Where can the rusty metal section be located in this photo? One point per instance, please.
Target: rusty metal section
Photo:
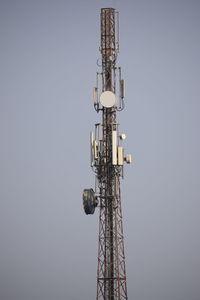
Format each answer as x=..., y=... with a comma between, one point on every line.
x=108, y=48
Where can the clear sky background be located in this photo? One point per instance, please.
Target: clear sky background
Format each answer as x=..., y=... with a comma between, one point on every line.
x=48, y=54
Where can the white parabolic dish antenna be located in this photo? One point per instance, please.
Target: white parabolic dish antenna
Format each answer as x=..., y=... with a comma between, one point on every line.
x=107, y=99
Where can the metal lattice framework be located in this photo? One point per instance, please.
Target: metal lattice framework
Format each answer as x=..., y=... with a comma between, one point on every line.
x=107, y=160
x=111, y=273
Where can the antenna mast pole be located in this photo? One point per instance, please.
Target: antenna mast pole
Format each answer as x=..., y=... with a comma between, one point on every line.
x=107, y=160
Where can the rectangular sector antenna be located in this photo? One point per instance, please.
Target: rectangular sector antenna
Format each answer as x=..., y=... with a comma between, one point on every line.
x=120, y=154
x=114, y=147
x=122, y=89
x=95, y=149
x=95, y=95
x=91, y=149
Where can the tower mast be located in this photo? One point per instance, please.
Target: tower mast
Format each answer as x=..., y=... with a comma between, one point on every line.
x=107, y=160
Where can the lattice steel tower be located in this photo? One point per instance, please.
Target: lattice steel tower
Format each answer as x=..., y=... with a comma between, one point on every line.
x=107, y=160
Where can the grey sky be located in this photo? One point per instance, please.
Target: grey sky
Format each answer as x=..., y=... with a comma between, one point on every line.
x=48, y=54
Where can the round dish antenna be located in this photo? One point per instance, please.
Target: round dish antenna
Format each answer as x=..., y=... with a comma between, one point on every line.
x=107, y=99
x=89, y=201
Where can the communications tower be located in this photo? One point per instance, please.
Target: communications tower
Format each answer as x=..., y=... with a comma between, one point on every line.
x=107, y=161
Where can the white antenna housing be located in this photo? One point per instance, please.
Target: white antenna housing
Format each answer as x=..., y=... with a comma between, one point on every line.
x=122, y=136
x=128, y=158
x=114, y=147
x=107, y=99
x=95, y=95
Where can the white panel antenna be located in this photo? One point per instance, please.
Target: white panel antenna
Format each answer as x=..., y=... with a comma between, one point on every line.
x=114, y=147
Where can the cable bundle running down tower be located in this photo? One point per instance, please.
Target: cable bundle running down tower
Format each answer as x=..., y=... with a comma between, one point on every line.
x=107, y=161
